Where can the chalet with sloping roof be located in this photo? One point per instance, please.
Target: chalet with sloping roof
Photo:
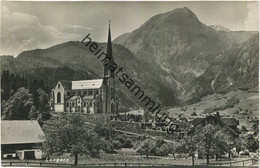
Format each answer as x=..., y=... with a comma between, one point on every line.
x=21, y=139
x=230, y=123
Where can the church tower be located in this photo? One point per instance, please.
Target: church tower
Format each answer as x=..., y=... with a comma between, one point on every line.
x=109, y=80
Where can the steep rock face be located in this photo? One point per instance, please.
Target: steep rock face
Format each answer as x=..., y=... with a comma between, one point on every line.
x=236, y=67
x=177, y=45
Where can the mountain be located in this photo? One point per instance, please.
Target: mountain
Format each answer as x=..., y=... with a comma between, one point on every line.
x=74, y=61
x=179, y=45
x=236, y=67
x=219, y=28
x=173, y=57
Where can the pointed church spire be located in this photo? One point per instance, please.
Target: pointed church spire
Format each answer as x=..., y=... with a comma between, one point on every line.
x=109, y=51
x=109, y=44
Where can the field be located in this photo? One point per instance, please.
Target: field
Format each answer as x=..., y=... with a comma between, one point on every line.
x=247, y=107
x=130, y=157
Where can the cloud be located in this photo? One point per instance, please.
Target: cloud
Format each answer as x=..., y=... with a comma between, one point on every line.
x=24, y=31
x=77, y=27
x=252, y=20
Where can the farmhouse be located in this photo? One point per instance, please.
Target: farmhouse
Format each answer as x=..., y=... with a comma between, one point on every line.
x=230, y=123
x=21, y=139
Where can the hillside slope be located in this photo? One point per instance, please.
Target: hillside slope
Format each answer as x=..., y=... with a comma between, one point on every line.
x=177, y=44
x=74, y=61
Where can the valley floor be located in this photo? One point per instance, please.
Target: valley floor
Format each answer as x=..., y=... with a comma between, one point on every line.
x=246, y=110
x=130, y=157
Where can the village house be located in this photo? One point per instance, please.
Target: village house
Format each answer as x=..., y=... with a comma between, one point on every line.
x=87, y=96
x=21, y=139
x=230, y=123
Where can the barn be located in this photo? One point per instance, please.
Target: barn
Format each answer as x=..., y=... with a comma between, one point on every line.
x=21, y=139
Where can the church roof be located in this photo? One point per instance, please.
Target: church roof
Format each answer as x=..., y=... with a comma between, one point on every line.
x=73, y=98
x=88, y=97
x=87, y=84
x=21, y=132
x=82, y=84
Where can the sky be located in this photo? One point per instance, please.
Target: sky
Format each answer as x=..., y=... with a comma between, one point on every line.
x=31, y=25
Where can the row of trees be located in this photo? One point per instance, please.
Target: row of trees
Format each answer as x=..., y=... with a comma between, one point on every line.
x=207, y=141
x=10, y=83
x=71, y=134
x=22, y=106
x=23, y=98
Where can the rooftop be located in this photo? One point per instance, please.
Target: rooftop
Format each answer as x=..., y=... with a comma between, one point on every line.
x=21, y=132
x=82, y=84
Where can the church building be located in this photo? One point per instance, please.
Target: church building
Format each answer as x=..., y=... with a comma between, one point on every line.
x=87, y=96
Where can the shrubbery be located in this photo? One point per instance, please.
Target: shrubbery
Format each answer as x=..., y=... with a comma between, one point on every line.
x=158, y=148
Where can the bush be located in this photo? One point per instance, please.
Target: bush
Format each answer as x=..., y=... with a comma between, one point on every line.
x=127, y=144
x=194, y=114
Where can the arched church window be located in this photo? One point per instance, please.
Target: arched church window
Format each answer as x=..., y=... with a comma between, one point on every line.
x=58, y=85
x=58, y=97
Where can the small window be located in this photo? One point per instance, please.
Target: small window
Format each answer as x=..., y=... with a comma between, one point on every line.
x=84, y=103
x=58, y=85
x=68, y=104
x=58, y=97
x=90, y=103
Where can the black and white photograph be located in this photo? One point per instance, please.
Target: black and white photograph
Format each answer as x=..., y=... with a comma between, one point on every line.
x=129, y=84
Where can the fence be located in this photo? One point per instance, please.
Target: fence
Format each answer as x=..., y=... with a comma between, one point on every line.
x=236, y=163
x=35, y=164
x=44, y=164
x=123, y=164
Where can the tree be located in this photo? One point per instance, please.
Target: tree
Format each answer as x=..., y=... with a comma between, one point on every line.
x=70, y=134
x=213, y=141
x=252, y=143
x=243, y=129
x=34, y=113
x=43, y=106
x=104, y=128
x=175, y=148
x=189, y=146
x=221, y=143
x=255, y=126
x=18, y=106
x=146, y=147
x=207, y=138
x=240, y=144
